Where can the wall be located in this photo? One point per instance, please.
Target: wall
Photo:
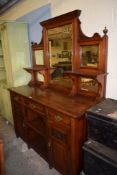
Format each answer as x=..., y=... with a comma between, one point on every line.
x=33, y=19
x=94, y=17
x=21, y=8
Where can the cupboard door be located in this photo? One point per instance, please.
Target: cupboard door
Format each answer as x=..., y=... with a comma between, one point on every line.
x=59, y=148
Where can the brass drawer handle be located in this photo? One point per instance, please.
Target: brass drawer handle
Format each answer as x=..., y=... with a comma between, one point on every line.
x=58, y=118
x=32, y=106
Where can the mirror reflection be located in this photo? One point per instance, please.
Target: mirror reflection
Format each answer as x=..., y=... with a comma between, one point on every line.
x=89, y=84
x=89, y=55
x=60, y=52
x=39, y=57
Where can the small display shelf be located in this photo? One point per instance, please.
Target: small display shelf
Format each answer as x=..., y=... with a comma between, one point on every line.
x=41, y=70
x=87, y=82
x=33, y=71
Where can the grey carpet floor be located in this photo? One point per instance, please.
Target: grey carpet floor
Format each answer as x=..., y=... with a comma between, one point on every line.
x=19, y=160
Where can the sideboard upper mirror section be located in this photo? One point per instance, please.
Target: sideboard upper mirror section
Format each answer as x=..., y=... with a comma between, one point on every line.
x=68, y=59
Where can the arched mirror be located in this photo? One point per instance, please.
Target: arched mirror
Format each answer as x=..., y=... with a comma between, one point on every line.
x=60, y=44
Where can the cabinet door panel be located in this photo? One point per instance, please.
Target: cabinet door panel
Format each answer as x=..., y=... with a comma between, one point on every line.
x=59, y=147
x=60, y=157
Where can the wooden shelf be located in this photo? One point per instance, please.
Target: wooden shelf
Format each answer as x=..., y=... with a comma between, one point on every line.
x=36, y=125
x=35, y=69
x=85, y=74
x=41, y=70
x=76, y=76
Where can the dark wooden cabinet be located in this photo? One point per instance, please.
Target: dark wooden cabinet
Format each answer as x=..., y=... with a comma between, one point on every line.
x=51, y=125
x=100, y=151
x=50, y=114
x=99, y=159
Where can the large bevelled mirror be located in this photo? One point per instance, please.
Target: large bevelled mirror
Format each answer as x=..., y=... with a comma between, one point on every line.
x=60, y=53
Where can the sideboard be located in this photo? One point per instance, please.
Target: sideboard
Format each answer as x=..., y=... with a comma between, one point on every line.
x=49, y=115
x=53, y=124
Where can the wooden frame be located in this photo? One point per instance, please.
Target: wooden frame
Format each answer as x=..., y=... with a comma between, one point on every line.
x=96, y=39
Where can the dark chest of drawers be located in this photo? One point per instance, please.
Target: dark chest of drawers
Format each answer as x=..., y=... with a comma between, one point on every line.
x=99, y=159
x=102, y=123
x=100, y=151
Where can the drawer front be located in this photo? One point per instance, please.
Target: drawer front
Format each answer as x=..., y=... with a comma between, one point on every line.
x=16, y=98
x=17, y=109
x=95, y=164
x=102, y=131
x=34, y=106
x=58, y=117
x=59, y=135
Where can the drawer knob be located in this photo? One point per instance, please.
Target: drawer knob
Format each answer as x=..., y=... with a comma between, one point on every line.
x=58, y=118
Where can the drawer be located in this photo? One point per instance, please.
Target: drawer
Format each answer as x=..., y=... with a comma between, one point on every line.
x=16, y=98
x=58, y=117
x=99, y=159
x=102, y=131
x=17, y=109
x=34, y=105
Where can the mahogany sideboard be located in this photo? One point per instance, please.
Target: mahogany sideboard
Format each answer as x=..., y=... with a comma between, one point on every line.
x=53, y=124
x=49, y=115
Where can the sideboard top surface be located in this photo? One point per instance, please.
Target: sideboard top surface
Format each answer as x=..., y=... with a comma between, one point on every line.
x=74, y=106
